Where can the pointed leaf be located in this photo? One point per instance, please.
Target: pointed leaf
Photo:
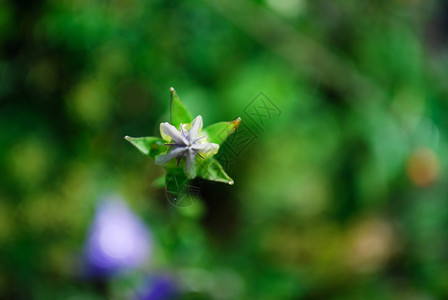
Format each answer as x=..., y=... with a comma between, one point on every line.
x=212, y=170
x=175, y=180
x=151, y=146
x=178, y=112
x=179, y=189
x=218, y=132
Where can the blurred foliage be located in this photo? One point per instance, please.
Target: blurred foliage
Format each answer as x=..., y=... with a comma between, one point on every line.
x=341, y=196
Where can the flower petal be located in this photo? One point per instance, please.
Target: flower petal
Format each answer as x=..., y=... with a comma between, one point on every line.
x=168, y=130
x=163, y=159
x=206, y=148
x=196, y=126
x=190, y=166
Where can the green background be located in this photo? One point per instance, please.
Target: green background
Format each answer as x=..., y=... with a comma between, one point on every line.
x=341, y=196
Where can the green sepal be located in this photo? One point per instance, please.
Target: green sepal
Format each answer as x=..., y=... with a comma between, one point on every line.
x=218, y=132
x=212, y=170
x=149, y=145
x=176, y=181
x=178, y=111
x=179, y=189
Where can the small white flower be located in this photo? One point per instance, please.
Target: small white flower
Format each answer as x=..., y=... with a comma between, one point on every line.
x=186, y=143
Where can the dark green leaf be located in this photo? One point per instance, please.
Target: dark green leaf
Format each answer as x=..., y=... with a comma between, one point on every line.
x=175, y=180
x=179, y=189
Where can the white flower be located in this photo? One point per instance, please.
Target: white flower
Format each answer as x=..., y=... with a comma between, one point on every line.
x=186, y=143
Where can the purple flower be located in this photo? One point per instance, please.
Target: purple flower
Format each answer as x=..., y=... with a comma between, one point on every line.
x=159, y=287
x=188, y=143
x=118, y=240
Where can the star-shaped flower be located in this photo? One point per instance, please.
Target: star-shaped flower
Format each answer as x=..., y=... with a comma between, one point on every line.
x=185, y=137
x=188, y=143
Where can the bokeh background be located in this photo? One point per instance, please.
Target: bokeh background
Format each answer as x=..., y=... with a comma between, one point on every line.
x=341, y=195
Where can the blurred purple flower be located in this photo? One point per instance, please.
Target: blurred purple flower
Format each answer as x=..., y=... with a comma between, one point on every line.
x=159, y=287
x=118, y=240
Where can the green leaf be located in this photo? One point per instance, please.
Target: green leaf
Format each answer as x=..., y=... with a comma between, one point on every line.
x=151, y=146
x=178, y=112
x=218, y=132
x=212, y=170
x=179, y=188
x=176, y=181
